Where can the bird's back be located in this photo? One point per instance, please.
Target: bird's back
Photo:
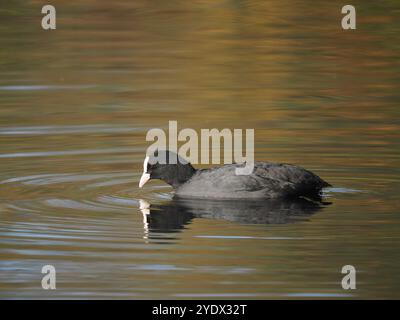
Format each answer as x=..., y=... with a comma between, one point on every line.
x=268, y=180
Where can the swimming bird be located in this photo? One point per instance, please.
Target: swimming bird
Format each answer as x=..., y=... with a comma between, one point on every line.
x=268, y=180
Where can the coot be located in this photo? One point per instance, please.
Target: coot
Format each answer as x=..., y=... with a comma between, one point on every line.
x=267, y=181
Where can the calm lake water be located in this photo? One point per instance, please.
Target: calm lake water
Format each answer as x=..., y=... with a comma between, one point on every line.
x=75, y=106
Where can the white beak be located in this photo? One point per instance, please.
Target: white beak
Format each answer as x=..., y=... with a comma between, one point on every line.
x=145, y=177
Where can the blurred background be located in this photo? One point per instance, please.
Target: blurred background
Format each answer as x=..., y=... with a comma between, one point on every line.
x=75, y=106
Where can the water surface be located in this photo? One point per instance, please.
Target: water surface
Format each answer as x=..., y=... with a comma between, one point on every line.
x=75, y=106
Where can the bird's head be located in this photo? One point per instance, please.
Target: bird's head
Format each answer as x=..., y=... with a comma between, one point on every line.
x=167, y=166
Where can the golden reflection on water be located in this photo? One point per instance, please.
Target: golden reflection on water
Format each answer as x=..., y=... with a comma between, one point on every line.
x=77, y=102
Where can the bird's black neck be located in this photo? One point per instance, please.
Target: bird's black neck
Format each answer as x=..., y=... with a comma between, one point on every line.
x=179, y=175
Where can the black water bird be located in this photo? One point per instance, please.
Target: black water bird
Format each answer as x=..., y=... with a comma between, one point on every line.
x=268, y=180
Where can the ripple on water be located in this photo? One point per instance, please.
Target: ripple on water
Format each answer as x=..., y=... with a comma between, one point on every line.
x=251, y=237
x=70, y=129
x=341, y=190
x=69, y=152
x=45, y=87
x=46, y=179
x=119, y=200
x=83, y=205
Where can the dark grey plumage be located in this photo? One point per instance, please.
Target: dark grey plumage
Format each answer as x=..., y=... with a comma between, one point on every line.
x=267, y=181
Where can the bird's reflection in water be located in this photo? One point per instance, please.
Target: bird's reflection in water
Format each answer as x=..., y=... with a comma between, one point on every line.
x=174, y=215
